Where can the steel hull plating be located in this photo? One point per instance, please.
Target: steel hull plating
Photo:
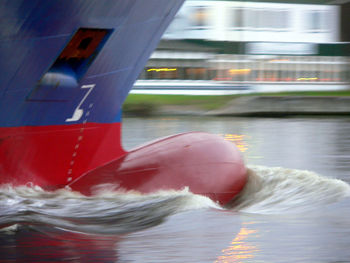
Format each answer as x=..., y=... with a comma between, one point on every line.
x=66, y=67
x=205, y=163
x=65, y=151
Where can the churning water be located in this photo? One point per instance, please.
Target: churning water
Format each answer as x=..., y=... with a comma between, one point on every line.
x=280, y=190
x=105, y=213
x=268, y=191
x=282, y=215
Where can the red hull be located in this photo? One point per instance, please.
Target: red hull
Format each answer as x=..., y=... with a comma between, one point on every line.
x=87, y=155
x=205, y=163
x=53, y=156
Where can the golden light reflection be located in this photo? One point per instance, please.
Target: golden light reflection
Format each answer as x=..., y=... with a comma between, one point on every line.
x=239, y=140
x=238, y=249
x=307, y=79
x=161, y=69
x=241, y=71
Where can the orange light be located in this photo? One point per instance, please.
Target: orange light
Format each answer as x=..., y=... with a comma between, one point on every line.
x=240, y=71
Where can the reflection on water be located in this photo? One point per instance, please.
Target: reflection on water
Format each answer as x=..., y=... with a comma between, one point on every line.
x=239, y=140
x=297, y=212
x=49, y=244
x=239, y=249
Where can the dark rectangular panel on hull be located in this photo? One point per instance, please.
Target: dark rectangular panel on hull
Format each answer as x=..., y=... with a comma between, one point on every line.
x=82, y=50
x=58, y=83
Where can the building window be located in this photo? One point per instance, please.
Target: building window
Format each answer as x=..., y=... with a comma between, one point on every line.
x=237, y=18
x=282, y=19
x=263, y=19
x=200, y=17
x=251, y=18
x=316, y=21
x=176, y=26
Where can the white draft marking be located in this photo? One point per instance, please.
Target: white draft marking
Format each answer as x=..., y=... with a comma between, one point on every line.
x=79, y=139
x=78, y=112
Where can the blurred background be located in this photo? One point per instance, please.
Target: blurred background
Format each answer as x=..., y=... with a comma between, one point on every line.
x=265, y=46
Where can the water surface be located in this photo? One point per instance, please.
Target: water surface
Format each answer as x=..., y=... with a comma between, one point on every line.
x=295, y=207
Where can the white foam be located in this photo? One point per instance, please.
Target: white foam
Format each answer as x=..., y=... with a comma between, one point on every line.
x=272, y=190
x=105, y=212
x=268, y=191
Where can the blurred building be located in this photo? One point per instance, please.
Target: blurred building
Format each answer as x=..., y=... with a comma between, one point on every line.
x=235, y=42
x=256, y=21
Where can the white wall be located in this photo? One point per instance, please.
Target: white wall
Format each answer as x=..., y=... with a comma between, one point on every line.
x=262, y=22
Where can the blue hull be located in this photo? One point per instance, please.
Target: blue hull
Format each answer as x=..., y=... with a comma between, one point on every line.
x=34, y=33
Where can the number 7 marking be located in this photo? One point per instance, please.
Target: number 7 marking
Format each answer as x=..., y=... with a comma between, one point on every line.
x=78, y=113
